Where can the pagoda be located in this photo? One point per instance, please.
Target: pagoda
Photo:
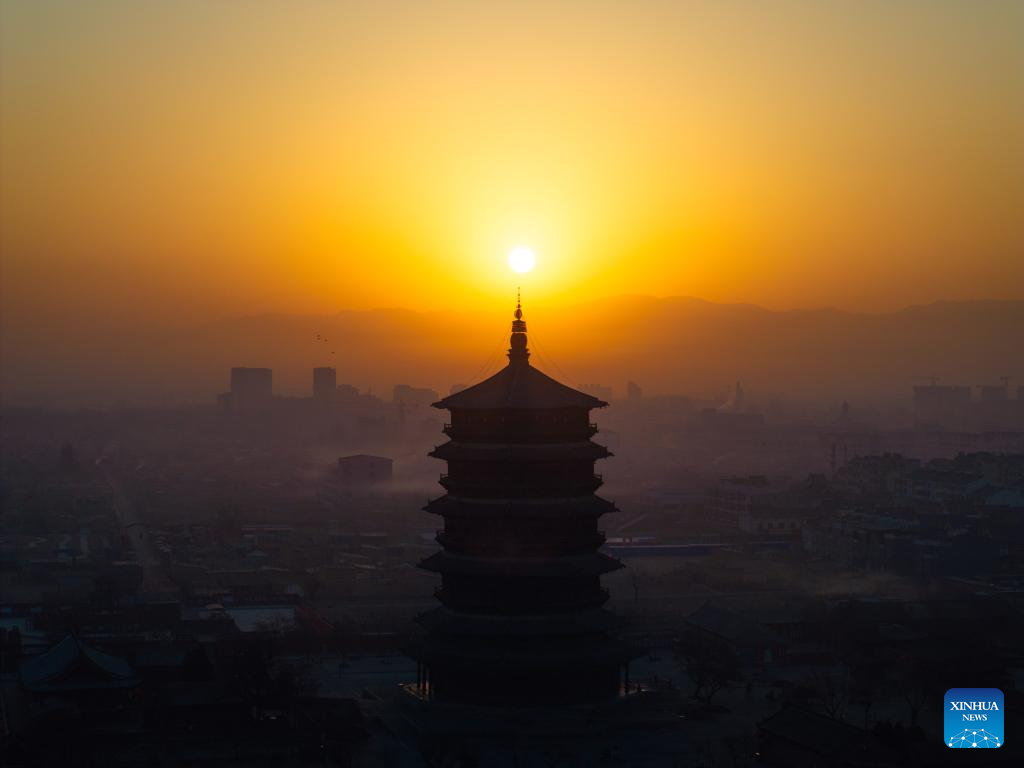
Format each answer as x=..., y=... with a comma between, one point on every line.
x=521, y=620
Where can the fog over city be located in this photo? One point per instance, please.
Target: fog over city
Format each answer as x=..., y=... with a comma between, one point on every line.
x=511, y=385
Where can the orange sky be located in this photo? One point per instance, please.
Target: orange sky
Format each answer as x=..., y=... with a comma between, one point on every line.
x=188, y=160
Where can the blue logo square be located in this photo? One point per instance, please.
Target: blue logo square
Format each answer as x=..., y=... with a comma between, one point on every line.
x=974, y=718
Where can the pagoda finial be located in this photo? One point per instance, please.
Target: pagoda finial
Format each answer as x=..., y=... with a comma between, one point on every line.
x=518, y=353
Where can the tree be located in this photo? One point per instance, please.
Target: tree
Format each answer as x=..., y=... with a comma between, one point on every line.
x=831, y=691
x=709, y=661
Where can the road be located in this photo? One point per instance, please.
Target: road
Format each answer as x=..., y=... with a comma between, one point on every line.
x=153, y=579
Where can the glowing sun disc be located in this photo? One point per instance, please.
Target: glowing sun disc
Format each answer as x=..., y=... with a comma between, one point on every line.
x=521, y=259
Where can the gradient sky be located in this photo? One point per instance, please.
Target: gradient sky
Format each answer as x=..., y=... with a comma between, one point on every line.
x=180, y=160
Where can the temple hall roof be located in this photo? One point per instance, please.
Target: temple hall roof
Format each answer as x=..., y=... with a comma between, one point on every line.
x=73, y=666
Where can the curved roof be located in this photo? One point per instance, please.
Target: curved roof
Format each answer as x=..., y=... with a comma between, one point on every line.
x=72, y=665
x=519, y=385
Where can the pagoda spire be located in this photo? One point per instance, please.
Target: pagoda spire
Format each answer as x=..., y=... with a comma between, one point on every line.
x=518, y=354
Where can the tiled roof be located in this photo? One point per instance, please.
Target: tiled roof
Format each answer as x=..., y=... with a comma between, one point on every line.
x=72, y=665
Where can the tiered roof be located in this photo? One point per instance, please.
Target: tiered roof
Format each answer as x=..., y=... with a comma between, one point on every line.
x=519, y=385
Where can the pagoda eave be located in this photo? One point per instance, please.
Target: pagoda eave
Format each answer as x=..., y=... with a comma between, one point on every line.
x=570, y=506
x=593, y=564
x=469, y=451
x=445, y=621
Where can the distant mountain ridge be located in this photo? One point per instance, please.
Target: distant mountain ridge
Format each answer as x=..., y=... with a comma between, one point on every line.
x=673, y=344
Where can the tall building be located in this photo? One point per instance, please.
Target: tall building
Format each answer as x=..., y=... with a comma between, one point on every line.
x=634, y=393
x=521, y=621
x=325, y=385
x=251, y=387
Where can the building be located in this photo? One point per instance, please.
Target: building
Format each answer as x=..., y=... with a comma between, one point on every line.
x=521, y=621
x=98, y=690
x=634, y=392
x=751, y=506
x=796, y=738
x=733, y=498
x=325, y=385
x=405, y=395
x=250, y=387
x=940, y=404
x=362, y=469
x=346, y=394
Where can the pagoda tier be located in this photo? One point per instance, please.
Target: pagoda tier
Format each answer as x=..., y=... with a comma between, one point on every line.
x=450, y=507
x=521, y=621
x=446, y=621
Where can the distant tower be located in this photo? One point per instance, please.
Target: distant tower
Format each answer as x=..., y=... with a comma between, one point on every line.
x=251, y=387
x=325, y=385
x=521, y=621
x=633, y=392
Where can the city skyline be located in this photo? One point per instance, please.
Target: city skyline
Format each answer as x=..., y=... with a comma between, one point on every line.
x=814, y=356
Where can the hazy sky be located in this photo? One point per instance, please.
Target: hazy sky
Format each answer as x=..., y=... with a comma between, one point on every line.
x=187, y=159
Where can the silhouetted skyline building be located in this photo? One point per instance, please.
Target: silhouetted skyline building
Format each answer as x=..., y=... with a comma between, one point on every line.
x=325, y=384
x=406, y=395
x=251, y=387
x=522, y=620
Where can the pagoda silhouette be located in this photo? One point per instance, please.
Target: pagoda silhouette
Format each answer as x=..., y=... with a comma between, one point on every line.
x=521, y=621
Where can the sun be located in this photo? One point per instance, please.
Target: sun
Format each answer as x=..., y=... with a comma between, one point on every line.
x=521, y=259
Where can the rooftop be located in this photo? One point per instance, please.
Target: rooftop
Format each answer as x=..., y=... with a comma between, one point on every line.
x=72, y=665
x=519, y=385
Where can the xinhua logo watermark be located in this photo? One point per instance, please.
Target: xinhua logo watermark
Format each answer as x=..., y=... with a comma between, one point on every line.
x=974, y=718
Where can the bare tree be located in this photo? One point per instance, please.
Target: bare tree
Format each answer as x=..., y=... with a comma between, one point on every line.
x=709, y=661
x=831, y=692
